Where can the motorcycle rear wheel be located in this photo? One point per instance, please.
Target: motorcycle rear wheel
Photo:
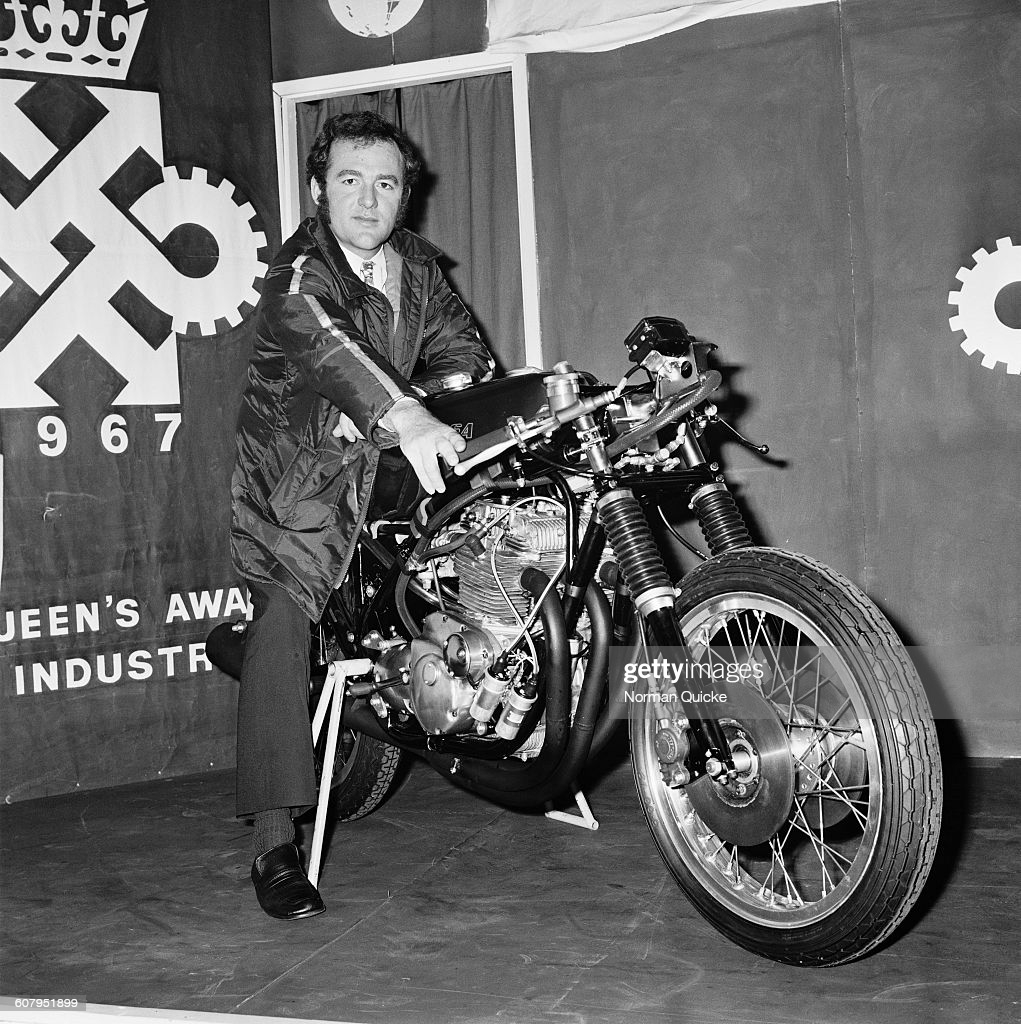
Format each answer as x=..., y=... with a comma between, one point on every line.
x=830, y=834
x=365, y=772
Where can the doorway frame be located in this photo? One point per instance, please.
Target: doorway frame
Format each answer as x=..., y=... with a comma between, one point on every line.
x=287, y=95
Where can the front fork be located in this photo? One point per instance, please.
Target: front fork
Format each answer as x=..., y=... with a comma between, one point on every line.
x=642, y=567
x=645, y=574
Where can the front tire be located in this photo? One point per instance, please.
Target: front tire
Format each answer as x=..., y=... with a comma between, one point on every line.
x=829, y=832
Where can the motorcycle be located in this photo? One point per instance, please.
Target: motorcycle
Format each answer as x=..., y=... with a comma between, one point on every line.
x=783, y=749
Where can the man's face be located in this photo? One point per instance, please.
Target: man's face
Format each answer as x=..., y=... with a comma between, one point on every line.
x=362, y=198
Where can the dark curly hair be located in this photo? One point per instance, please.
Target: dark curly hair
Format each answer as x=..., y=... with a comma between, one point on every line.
x=362, y=128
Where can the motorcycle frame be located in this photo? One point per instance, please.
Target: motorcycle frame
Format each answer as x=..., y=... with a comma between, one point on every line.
x=583, y=560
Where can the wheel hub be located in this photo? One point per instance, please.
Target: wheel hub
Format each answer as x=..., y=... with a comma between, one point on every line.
x=748, y=806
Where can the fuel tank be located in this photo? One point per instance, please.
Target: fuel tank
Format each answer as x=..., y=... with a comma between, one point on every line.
x=484, y=407
x=471, y=411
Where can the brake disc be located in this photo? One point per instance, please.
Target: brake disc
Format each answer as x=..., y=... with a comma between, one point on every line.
x=748, y=807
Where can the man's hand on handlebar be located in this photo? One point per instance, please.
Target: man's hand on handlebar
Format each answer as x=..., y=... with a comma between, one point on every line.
x=424, y=440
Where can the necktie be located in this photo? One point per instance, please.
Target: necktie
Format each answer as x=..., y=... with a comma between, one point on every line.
x=367, y=272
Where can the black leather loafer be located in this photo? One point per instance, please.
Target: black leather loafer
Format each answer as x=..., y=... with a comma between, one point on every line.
x=283, y=889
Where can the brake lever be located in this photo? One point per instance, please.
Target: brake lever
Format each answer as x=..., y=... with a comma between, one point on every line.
x=762, y=449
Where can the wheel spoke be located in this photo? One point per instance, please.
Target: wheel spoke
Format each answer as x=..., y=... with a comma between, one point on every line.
x=817, y=838
x=760, y=625
x=827, y=789
x=826, y=729
x=730, y=642
x=792, y=890
x=790, y=685
x=733, y=866
x=816, y=842
x=720, y=844
x=814, y=661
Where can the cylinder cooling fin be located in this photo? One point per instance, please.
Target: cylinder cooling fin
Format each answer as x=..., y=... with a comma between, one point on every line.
x=490, y=582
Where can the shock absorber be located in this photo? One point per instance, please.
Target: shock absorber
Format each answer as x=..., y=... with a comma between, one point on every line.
x=637, y=555
x=720, y=519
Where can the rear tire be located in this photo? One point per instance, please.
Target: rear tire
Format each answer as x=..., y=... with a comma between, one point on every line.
x=365, y=772
x=841, y=807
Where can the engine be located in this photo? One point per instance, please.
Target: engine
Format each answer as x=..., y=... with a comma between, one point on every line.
x=454, y=679
x=512, y=539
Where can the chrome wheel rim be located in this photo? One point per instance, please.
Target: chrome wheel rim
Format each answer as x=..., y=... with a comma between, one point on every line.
x=820, y=853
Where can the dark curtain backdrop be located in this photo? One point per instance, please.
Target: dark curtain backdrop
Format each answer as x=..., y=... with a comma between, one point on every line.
x=803, y=191
x=466, y=200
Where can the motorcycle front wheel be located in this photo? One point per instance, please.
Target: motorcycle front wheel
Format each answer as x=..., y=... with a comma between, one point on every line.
x=814, y=851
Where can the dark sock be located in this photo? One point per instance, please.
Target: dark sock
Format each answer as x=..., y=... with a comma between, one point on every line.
x=272, y=828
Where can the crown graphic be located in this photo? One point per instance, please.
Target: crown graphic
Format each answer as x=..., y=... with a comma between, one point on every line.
x=61, y=37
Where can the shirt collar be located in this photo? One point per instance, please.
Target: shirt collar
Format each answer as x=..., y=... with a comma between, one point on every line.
x=378, y=265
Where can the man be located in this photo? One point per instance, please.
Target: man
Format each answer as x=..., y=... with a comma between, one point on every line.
x=352, y=308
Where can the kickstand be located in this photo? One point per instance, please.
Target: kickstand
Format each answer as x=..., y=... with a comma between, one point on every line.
x=583, y=820
x=330, y=701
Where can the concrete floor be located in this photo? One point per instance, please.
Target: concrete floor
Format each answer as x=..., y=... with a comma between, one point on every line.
x=444, y=908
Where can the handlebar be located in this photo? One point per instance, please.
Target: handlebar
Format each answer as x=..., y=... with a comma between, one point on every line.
x=477, y=445
x=487, y=447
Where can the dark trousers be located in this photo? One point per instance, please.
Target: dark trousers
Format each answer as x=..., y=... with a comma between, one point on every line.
x=274, y=745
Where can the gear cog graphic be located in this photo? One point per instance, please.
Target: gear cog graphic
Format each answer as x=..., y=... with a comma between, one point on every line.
x=976, y=306
x=221, y=293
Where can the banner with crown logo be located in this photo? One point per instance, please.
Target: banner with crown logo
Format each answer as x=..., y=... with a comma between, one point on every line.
x=61, y=37
x=137, y=210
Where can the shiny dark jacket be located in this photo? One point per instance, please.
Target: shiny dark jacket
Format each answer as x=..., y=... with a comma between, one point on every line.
x=326, y=344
